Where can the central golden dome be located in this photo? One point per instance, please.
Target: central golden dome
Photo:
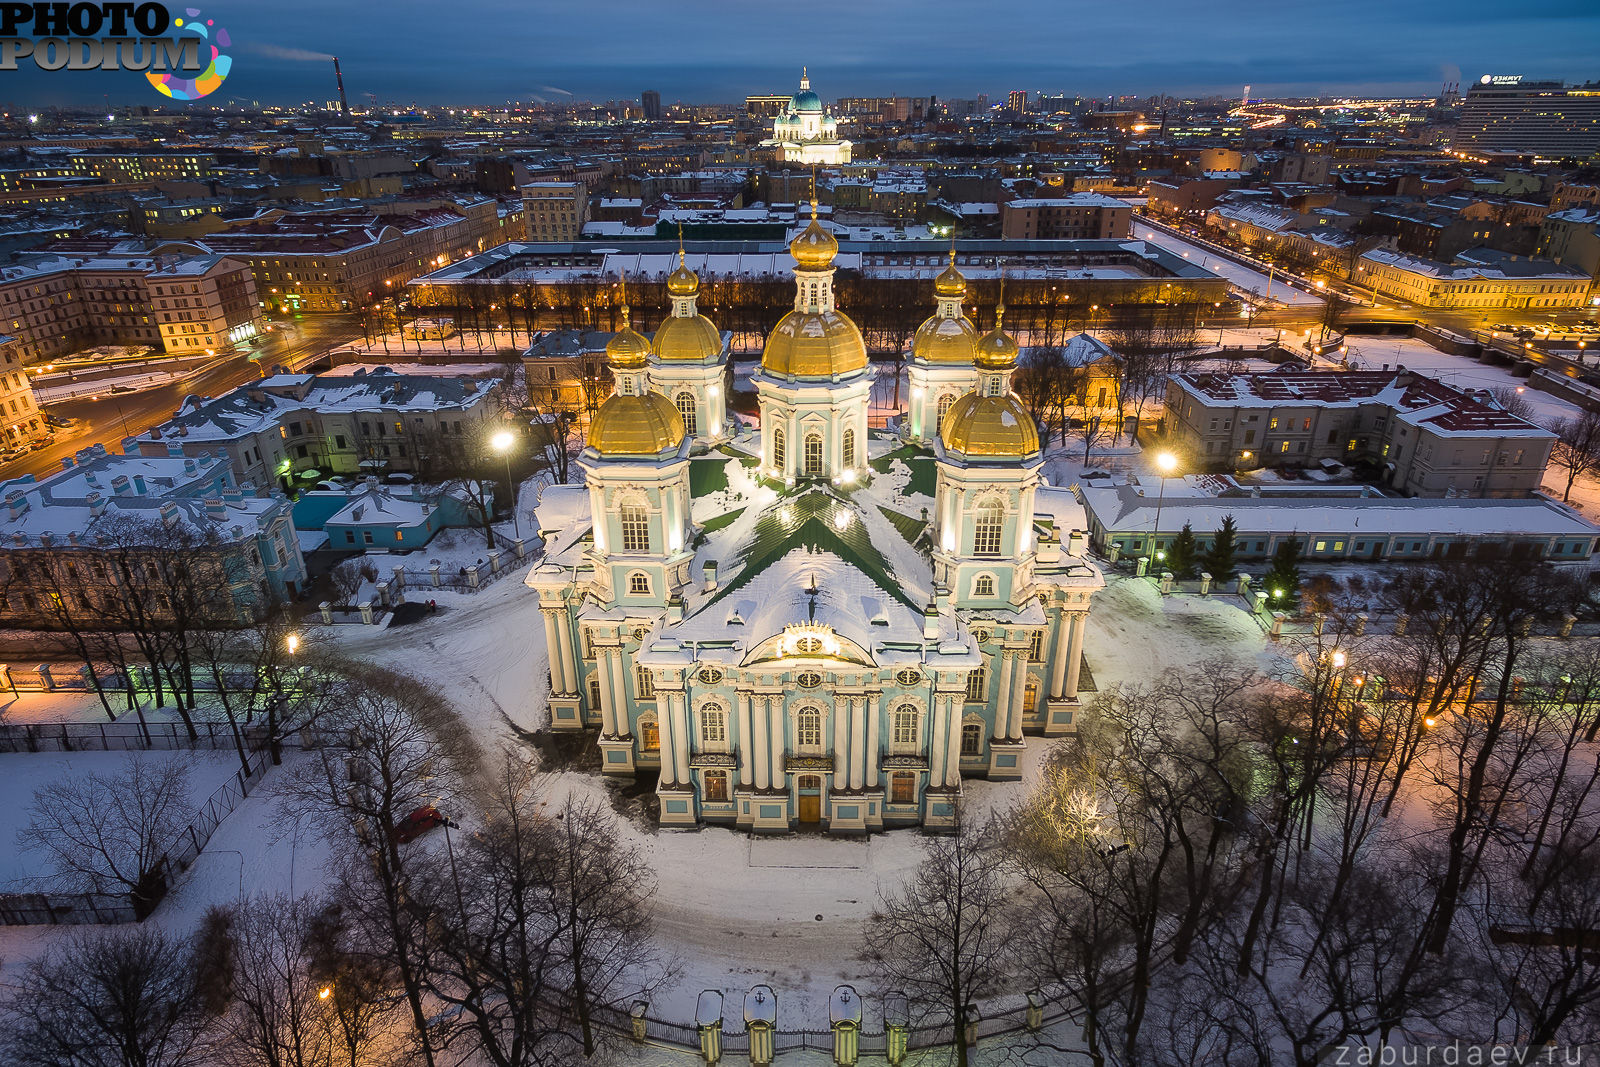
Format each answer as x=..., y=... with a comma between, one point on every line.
x=641, y=425
x=814, y=247
x=942, y=340
x=814, y=344
x=994, y=427
x=690, y=339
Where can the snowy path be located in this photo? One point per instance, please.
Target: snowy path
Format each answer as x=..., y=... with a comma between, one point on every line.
x=1241, y=276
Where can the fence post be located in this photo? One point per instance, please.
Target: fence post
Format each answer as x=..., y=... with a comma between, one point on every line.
x=326, y=608
x=472, y=576
x=1401, y=621
x=844, y=1014
x=637, y=1020
x=1205, y=583
x=366, y=612
x=708, y=1024
x=46, y=682
x=433, y=572
x=1035, y=1009
x=1166, y=583
x=760, y=1020
x=896, y=1020
x=1361, y=623
x=494, y=561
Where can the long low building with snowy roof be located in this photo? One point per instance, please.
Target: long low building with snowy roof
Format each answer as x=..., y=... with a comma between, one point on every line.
x=1427, y=438
x=1347, y=523
x=294, y=427
x=1521, y=283
x=108, y=522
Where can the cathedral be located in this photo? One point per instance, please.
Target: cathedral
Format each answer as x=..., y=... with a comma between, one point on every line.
x=804, y=133
x=814, y=624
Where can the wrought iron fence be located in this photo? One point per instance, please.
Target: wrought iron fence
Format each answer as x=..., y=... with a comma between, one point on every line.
x=112, y=736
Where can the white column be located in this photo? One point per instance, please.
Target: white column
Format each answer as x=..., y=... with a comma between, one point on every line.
x=874, y=708
x=678, y=703
x=1019, y=692
x=761, y=752
x=841, y=741
x=1001, y=664
x=569, y=663
x=746, y=743
x=669, y=742
x=1080, y=623
x=619, y=691
x=1025, y=521
x=858, y=742
x=608, y=711
x=776, y=738
x=1058, y=669
x=952, y=765
x=552, y=650
x=936, y=742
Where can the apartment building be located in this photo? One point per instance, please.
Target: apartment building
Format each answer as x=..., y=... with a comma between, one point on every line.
x=1076, y=215
x=273, y=430
x=1427, y=438
x=243, y=542
x=54, y=305
x=20, y=419
x=555, y=211
x=1505, y=283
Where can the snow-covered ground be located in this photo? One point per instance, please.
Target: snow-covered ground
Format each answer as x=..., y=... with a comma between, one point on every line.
x=1243, y=278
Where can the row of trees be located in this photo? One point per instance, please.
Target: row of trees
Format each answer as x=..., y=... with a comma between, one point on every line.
x=497, y=945
x=1400, y=835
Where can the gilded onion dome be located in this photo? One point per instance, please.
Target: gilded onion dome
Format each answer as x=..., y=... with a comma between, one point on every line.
x=947, y=336
x=995, y=427
x=814, y=247
x=997, y=349
x=686, y=336
x=814, y=344
x=633, y=421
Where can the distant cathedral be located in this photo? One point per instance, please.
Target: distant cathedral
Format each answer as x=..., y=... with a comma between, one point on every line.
x=804, y=133
x=817, y=623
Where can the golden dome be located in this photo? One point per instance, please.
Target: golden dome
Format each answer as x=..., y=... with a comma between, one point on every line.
x=683, y=281
x=942, y=340
x=814, y=344
x=950, y=282
x=815, y=247
x=627, y=349
x=691, y=339
x=641, y=425
x=989, y=426
x=997, y=350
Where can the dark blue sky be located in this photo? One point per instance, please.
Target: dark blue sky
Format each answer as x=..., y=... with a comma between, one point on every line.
x=481, y=51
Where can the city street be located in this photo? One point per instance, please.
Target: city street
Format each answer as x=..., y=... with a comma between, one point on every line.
x=110, y=418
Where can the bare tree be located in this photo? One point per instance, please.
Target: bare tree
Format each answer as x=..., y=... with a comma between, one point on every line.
x=279, y=1013
x=110, y=833
x=1576, y=452
x=107, y=998
x=944, y=938
x=348, y=578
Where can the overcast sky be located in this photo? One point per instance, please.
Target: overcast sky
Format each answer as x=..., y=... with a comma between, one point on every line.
x=703, y=51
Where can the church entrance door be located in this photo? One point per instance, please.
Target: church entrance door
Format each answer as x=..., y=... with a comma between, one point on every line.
x=810, y=786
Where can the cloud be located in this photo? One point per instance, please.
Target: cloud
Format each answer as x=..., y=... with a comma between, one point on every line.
x=298, y=55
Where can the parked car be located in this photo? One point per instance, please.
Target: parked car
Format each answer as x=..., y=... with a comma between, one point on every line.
x=10, y=454
x=61, y=420
x=38, y=443
x=398, y=479
x=418, y=823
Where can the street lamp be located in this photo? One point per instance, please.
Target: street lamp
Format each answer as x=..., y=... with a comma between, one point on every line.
x=293, y=641
x=1166, y=463
x=501, y=443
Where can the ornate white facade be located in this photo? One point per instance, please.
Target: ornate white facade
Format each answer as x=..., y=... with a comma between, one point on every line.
x=820, y=640
x=805, y=133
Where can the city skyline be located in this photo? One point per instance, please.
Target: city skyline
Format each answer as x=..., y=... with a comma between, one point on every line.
x=715, y=54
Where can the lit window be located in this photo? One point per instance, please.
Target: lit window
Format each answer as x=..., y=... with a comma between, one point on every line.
x=685, y=402
x=814, y=454
x=777, y=449
x=649, y=734
x=638, y=584
x=849, y=449
x=716, y=786
x=635, y=529
x=986, y=533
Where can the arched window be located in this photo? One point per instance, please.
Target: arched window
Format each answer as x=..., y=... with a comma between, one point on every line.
x=991, y=520
x=983, y=585
x=644, y=683
x=977, y=685
x=972, y=740
x=777, y=449
x=649, y=734
x=713, y=727
x=813, y=454
x=903, y=728
x=635, y=528
x=945, y=400
x=638, y=584
x=808, y=729
x=685, y=402
x=848, y=451
x=594, y=694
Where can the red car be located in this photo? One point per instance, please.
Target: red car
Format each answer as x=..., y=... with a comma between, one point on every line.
x=418, y=823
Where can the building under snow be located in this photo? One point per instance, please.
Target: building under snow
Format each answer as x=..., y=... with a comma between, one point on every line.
x=812, y=625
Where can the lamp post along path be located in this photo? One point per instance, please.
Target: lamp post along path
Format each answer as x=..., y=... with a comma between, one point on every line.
x=502, y=443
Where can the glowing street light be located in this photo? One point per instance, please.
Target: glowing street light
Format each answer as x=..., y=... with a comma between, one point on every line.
x=1166, y=463
x=293, y=641
x=1338, y=660
x=501, y=443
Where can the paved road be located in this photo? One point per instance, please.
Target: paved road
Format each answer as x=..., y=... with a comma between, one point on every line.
x=108, y=419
